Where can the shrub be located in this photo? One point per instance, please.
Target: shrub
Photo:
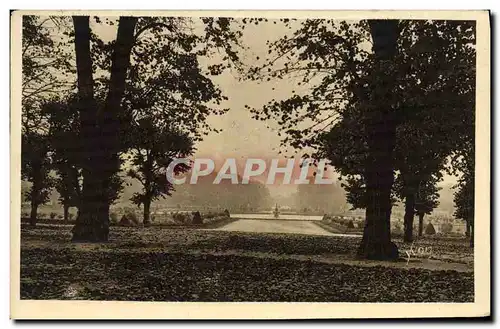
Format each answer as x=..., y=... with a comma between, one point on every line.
x=52, y=215
x=130, y=217
x=124, y=220
x=113, y=217
x=179, y=218
x=429, y=229
x=397, y=229
x=133, y=218
x=350, y=224
x=446, y=228
x=197, y=220
x=226, y=213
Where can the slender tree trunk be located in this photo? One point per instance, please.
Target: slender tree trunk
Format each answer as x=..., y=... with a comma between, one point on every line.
x=35, y=194
x=34, y=211
x=147, y=206
x=409, y=215
x=467, y=228
x=148, y=178
x=66, y=213
x=421, y=224
x=471, y=241
x=99, y=130
x=380, y=126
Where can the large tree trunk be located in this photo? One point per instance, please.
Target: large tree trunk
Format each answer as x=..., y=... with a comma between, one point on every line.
x=99, y=130
x=421, y=224
x=33, y=214
x=380, y=126
x=409, y=215
x=91, y=224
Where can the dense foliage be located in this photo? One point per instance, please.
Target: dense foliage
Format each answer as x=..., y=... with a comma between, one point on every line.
x=334, y=112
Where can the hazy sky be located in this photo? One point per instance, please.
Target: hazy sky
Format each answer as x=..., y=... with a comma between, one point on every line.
x=242, y=136
x=240, y=133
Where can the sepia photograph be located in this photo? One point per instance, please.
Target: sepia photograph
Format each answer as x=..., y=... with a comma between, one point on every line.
x=211, y=159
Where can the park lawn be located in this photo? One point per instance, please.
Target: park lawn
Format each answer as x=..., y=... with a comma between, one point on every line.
x=160, y=264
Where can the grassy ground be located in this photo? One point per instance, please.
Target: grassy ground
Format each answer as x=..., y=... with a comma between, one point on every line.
x=182, y=264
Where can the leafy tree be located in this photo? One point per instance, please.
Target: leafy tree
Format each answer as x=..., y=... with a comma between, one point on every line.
x=423, y=198
x=43, y=59
x=464, y=196
x=355, y=192
x=166, y=80
x=420, y=158
x=333, y=54
x=154, y=149
x=66, y=142
x=364, y=98
x=419, y=154
x=442, y=125
x=66, y=186
x=427, y=200
x=345, y=146
x=64, y=137
x=35, y=168
x=99, y=128
x=464, y=202
x=427, y=128
x=102, y=125
x=463, y=164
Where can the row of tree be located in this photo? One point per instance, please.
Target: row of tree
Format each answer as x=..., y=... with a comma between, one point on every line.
x=389, y=103
x=323, y=199
x=250, y=197
x=390, y=119
x=135, y=103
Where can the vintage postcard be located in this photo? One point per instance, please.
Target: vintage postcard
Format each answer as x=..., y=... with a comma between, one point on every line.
x=250, y=164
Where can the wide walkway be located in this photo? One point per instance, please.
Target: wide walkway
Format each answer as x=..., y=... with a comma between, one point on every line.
x=277, y=226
